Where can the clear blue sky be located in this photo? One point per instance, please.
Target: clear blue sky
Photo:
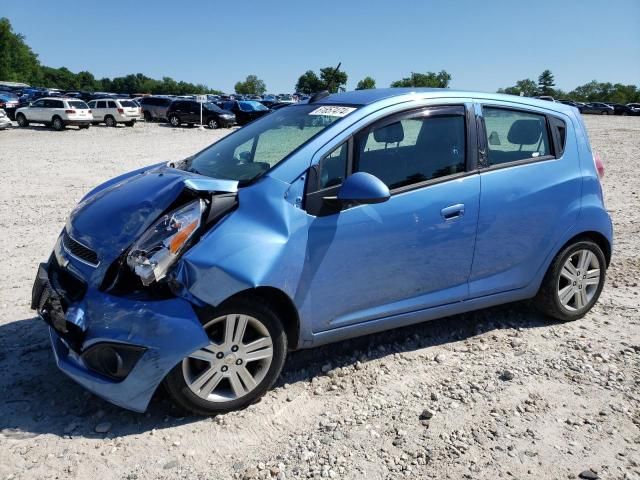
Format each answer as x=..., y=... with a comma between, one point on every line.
x=483, y=44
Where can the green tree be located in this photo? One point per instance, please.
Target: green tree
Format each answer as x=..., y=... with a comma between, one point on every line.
x=429, y=79
x=333, y=80
x=308, y=83
x=251, y=86
x=526, y=87
x=366, y=83
x=18, y=63
x=546, y=83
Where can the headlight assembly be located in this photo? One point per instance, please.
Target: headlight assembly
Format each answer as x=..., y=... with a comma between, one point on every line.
x=160, y=246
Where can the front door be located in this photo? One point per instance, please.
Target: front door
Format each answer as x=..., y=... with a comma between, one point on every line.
x=413, y=251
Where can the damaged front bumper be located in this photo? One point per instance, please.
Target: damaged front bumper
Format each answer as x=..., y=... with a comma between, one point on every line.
x=118, y=348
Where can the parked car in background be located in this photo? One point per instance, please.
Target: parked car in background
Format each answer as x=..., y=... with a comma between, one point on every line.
x=188, y=111
x=112, y=111
x=268, y=100
x=349, y=215
x=285, y=98
x=620, y=109
x=5, y=122
x=245, y=111
x=9, y=103
x=597, y=108
x=548, y=98
x=155, y=108
x=57, y=112
x=571, y=103
x=635, y=108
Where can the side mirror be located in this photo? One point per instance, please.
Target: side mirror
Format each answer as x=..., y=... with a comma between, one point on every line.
x=363, y=188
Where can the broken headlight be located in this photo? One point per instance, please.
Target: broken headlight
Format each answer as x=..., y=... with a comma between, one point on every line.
x=160, y=246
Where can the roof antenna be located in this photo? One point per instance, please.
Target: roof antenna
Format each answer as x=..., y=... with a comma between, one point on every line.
x=325, y=93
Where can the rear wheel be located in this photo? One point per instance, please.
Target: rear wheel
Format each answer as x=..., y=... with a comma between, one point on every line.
x=110, y=121
x=57, y=123
x=174, y=120
x=131, y=123
x=84, y=127
x=244, y=358
x=147, y=116
x=22, y=120
x=573, y=282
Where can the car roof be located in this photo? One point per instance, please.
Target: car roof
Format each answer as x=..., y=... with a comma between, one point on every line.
x=367, y=97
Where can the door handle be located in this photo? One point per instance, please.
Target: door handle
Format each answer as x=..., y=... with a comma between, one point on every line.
x=452, y=212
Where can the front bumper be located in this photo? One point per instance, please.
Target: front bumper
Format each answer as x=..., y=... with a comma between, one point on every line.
x=165, y=331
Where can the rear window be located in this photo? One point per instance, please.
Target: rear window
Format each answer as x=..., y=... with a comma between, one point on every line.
x=78, y=104
x=127, y=103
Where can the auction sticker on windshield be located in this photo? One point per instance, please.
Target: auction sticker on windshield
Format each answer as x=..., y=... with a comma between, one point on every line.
x=332, y=111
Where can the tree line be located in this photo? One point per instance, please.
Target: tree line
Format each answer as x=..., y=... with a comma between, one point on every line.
x=589, y=92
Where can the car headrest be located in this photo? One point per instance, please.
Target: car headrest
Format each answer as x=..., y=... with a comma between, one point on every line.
x=392, y=133
x=525, y=132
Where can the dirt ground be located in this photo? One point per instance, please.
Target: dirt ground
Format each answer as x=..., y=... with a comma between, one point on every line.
x=500, y=393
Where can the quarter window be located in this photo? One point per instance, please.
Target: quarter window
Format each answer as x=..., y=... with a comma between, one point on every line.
x=514, y=135
x=333, y=167
x=413, y=150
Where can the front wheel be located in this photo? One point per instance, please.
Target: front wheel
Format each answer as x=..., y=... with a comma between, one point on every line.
x=57, y=124
x=573, y=282
x=174, y=121
x=212, y=123
x=244, y=358
x=131, y=123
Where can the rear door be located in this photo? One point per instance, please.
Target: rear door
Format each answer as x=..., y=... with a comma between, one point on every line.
x=530, y=184
x=53, y=107
x=98, y=113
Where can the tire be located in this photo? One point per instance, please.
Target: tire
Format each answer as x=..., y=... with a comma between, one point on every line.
x=84, y=127
x=174, y=120
x=57, y=123
x=22, y=120
x=217, y=393
x=109, y=121
x=605, y=113
x=131, y=123
x=212, y=123
x=580, y=292
x=95, y=123
x=147, y=116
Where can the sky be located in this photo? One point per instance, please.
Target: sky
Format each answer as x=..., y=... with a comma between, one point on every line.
x=483, y=44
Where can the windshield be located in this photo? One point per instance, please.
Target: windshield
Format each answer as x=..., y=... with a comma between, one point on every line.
x=251, y=106
x=256, y=148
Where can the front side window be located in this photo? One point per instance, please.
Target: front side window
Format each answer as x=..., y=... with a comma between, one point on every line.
x=38, y=104
x=414, y=149
x=514, y=135
x=256, y=148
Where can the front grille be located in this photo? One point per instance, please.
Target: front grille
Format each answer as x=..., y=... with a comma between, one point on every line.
x=79, y=251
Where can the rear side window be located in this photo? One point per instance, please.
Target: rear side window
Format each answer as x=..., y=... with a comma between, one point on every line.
x=101, y=104
x=514, y=135
x=111, y=104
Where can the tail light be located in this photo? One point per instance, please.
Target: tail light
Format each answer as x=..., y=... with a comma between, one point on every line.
x=69, y=111
x=599, y=164
x=121, y=110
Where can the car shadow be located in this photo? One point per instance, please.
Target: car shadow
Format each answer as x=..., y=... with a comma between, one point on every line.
x=39, y=399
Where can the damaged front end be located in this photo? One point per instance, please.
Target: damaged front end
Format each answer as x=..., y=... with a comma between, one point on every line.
x=117, y=327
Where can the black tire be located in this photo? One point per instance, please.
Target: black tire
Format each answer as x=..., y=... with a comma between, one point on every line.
x=212, y=123
x=109, y=121
x=547, y=300
x=57, y=123
x=187, y=400
x=22, y=120
x=174, y=120
x=131, y=123
x=84, y=127
x=147, y=116
x=95, y=123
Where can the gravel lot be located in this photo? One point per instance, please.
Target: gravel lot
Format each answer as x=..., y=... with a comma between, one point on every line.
x=500, y=393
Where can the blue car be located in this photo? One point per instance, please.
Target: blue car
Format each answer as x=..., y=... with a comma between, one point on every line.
x=342, y=216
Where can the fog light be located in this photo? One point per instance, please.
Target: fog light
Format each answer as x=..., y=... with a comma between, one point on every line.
x=113, y=360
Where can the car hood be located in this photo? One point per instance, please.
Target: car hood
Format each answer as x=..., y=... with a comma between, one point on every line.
x=111, y=217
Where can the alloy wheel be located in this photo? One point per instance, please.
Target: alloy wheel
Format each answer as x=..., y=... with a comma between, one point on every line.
x=579, y=280
x=234, y=363
x=174, y=121
x=213, y=124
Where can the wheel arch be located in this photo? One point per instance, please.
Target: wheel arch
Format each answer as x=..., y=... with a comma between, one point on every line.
x=282, y=305
x=596, y=237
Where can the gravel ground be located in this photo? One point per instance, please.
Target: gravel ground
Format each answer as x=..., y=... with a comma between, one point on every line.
x=500, y=393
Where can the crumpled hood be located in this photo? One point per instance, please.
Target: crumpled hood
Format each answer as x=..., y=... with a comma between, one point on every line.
x=111, y=217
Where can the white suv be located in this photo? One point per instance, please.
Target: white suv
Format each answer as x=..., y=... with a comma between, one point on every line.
x=57, y=112
x=112, y=111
